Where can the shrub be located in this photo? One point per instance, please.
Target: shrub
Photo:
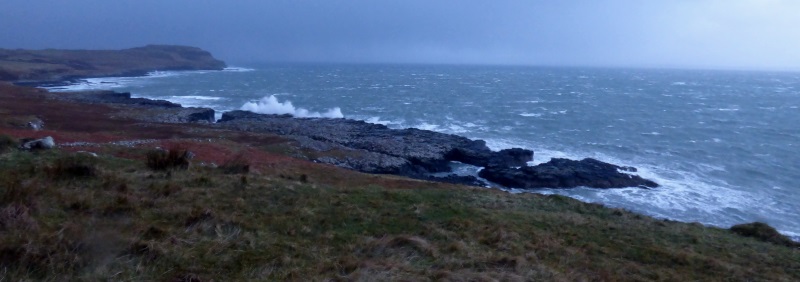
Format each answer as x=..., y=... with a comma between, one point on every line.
x=236, y=165
x=175, y=158
x=763, y=232
x=13, y=191
x=7, y=143
x=73, y=166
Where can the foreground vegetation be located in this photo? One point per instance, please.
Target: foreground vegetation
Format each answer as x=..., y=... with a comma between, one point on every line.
x=80, y=217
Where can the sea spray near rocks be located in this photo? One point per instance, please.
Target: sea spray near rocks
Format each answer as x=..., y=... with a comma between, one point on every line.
x=271, y=105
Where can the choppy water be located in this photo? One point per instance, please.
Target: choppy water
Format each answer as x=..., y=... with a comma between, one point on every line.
x=723, y=144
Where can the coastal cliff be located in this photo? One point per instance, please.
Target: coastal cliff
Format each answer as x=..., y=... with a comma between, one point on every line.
x=53, y=65
x=101, y=203
x=144, y=189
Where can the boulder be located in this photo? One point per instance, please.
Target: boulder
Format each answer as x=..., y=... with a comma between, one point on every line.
x=30, y=144
x=36, y=124
x=202, y=115
x=565, y=173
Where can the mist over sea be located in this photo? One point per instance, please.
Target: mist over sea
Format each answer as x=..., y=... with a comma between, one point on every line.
x=723, y=144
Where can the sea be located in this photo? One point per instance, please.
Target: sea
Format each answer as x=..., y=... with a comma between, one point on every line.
x=724, y=145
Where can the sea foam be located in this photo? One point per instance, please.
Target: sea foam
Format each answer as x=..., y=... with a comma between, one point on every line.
x=271, y=105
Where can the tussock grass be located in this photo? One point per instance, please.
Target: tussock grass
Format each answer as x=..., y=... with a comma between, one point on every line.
x=7, y=143
x=202, y=224
x=175, y=158
x=78, y=165
x=236, y=165
x=763, y=232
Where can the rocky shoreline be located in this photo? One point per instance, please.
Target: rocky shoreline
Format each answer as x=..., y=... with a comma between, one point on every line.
x=351, y=144
x=416, y=153
x=375, y=148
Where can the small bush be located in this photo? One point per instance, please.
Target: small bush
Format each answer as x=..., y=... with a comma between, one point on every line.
x=7, y=143
x=164, y=190
x=236, y=165
x=12, y=190
x=175, y=158
x=763, y=232
x=73, y=166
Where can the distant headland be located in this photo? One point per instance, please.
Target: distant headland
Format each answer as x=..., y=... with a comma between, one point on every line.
x=55, y=65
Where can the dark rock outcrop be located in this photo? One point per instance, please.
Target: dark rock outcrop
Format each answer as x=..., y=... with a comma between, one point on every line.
x=111, y=97
x=564, y=173
x=172, y=115
x=511, y=157
x=148, y=109
x=416, y=153
x=425, y=151
x=479, y=157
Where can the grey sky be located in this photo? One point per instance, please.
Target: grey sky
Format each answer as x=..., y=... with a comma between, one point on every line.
x=739, y=34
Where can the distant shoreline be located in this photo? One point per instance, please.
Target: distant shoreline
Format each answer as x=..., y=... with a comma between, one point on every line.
x=51, y=66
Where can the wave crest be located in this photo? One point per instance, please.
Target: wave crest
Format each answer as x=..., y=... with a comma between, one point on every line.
x=271, y=105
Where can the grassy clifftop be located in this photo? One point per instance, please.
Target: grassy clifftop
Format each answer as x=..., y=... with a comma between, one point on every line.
x=52, y=65
x=73, y=215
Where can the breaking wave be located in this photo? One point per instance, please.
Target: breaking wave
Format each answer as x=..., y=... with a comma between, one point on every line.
x=271, y=105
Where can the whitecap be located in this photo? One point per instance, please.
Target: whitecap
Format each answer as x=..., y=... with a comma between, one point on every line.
x=157, y=73
x=238, y=69
x=377, y=120
x=454, y=128
x=530, y=115
x=212, y=98
x=271, y=105
x=427, y=126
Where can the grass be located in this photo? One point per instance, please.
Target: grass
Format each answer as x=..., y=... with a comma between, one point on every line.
x=70, y=166
x=174, y=158
x=7, y=143
x=236, y=165
x=126, y=221
x=764, y=232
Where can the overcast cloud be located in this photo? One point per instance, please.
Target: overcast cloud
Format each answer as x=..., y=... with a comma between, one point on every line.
x=738, y=34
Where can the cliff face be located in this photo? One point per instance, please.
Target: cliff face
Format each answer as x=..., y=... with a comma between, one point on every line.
x=51, y=65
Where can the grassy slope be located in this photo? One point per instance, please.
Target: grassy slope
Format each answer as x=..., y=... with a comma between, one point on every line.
x=130, y=222
x=289, y=219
